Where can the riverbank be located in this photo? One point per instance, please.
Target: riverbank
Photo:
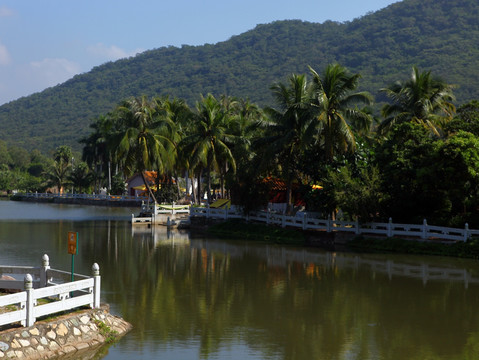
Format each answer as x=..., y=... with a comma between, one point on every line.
x=111, y=201
x=63, y=336
x=239, y=229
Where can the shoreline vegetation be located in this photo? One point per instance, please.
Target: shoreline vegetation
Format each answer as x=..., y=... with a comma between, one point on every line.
x=238, y=229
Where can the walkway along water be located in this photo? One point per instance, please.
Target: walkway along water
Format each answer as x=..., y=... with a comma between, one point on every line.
x=45, y=293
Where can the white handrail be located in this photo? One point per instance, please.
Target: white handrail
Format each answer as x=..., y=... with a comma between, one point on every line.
x=66, y=296
x=302, y=220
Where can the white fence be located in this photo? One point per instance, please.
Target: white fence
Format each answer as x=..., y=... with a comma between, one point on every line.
x=84, y=196
x=305, y=222
x=50, y=285
x=155, y=208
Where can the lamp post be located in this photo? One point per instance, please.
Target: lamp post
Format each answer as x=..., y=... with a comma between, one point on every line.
x=73, y=160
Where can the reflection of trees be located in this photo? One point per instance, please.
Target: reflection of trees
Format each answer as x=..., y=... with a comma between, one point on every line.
x=297, y=311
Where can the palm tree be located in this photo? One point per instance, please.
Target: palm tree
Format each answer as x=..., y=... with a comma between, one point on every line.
x=335, y=104
x=206, y=146
x=178, y=113
x=96, y=151
x=59, y=171
x=291, y=130
x=422, y=99
x=80, y=177
x=249, y=122
x=143, y=140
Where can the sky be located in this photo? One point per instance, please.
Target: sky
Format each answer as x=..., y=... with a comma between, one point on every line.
x=44, y=43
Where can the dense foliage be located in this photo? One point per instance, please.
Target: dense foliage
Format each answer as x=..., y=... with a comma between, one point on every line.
x=438, y=35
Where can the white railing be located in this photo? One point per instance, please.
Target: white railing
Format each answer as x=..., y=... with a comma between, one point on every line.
x=303, y=221
x=49, y=285
x=155, y=208
x=84, y=196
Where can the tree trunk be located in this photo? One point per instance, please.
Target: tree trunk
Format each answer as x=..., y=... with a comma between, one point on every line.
x=208, y=178
x=178, y=190
x=199, y=186
x=148, y=187
x=289, y=197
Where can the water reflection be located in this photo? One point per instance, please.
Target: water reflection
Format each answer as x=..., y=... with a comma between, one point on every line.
x=191, y=297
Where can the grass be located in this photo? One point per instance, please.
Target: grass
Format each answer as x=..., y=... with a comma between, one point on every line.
x=109, y=334
x=239, y=229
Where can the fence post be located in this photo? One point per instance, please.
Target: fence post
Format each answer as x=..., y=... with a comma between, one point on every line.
x=424, y=229
x=357, y=230
x=283, y=220
x=466, y=232
x=305, y=220
x=96, y=285
x=390, y=228
x=28, y=284
x=328, y=225
x=43, y=270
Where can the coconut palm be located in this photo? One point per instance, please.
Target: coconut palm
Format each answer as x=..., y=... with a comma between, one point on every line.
x=96, y=151
x=422, y=99
x=143, y=140
x=179, y=114
x=60, y=169
x=336, y=106
x=206, y=146
x=291, y=130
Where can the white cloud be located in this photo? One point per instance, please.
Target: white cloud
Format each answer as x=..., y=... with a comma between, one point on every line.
x=111, y=52
x=55, y=68
x=5, y=12
x=4, y=55
x=26, y=79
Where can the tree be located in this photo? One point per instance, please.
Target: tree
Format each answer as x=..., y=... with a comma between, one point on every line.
x=179, y=114
x=58, y=172
x=206, y=146
x=407, y=161
x=291, y=130
x=143, y=138
x=466, y=119
x=422, y=99
x=81, y=177
x=96, y=151
x=336, y=112
x=457, y=174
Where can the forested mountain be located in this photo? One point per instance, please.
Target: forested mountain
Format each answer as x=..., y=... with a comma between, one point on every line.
x=436, y=35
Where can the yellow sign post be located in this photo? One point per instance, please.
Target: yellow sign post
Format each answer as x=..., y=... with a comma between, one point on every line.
x=72, y=248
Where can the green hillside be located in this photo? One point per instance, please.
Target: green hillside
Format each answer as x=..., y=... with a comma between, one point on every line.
x=437, y=35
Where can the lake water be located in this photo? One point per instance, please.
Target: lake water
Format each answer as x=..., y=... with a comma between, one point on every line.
x=190, y=297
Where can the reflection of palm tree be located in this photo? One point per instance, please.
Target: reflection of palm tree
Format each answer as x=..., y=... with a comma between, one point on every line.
x=143, y=140
x=421, y=99
x=333, y=99
x=292, y=128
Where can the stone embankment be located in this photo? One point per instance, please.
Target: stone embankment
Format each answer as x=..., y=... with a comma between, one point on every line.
x=64, y=336
x=96, y=202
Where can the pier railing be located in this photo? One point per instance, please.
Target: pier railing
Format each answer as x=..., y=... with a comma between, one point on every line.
x=306, y=222
x=46, y=291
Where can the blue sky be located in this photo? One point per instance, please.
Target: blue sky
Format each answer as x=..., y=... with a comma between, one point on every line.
x=44, y=43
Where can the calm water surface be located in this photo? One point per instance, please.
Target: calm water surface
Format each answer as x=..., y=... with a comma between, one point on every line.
x=190, y=297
